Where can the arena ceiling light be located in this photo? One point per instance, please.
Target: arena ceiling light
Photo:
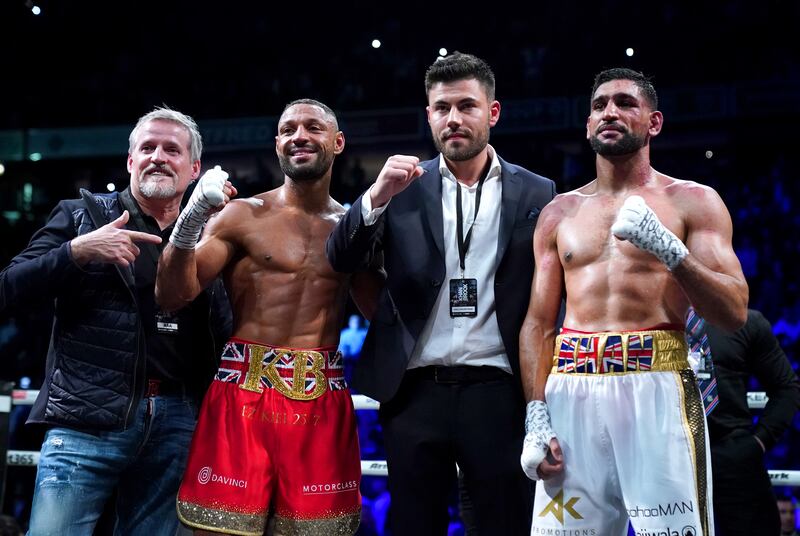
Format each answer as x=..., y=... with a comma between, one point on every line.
x=35, y=9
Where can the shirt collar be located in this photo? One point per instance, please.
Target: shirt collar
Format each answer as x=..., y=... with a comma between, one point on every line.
x=494, y=168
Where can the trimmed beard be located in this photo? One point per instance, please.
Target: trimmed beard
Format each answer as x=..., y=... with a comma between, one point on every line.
x=157, y=190
x=627, y=144
x=304, y=172
x=474, y=146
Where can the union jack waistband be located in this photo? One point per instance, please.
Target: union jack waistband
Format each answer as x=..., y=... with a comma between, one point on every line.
x=296, y=373
x=621, y=352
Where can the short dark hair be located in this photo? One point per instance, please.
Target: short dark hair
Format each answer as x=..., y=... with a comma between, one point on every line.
x=460, y=66
x=313, y=102
x=644, y=83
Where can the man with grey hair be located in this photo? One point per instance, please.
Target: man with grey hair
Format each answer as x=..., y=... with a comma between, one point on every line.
x=124, y=379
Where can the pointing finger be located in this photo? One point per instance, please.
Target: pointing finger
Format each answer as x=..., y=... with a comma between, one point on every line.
x=148, y=238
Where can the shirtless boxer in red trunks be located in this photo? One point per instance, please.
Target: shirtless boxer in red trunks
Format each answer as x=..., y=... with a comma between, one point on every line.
x=277, y=433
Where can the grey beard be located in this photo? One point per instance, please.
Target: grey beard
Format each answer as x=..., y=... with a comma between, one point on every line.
x=155, y=190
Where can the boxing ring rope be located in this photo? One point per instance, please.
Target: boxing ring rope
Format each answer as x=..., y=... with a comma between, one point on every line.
x=755, y=400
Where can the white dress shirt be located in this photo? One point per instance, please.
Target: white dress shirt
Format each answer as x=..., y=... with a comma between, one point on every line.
x=474, y=340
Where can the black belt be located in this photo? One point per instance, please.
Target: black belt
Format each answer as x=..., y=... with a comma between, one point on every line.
x=458, y=374
x=159, y=387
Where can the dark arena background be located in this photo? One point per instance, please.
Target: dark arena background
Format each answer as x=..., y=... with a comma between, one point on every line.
x=76, y=75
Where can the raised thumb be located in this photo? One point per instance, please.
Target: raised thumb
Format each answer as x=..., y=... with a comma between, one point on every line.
x=120, y=222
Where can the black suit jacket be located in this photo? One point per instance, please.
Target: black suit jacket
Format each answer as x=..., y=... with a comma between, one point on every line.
x=411, y=237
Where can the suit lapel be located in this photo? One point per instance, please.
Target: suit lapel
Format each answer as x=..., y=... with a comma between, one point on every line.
x=511, y=192
x=431, y=185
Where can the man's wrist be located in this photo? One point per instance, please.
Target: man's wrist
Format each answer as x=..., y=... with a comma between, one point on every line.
x=674, y=253
x=187, y=228
x=374, y=199
x=369, y=212
x=77, y=252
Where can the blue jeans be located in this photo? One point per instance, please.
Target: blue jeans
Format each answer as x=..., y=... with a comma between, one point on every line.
x=78, y=472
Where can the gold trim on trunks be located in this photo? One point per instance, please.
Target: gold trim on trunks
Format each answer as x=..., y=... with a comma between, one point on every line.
x=219, y=520
x=694, y=423
x=344, y=525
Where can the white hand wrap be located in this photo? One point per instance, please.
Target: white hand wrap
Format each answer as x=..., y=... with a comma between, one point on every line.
x=538, y=434
x=207, y=195
x=639, y=225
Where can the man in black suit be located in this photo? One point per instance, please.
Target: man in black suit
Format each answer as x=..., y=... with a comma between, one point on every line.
x=738, y=444
x=441, y=354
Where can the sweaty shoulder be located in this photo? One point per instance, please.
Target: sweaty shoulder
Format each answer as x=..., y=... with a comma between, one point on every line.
x=562, y=206
x=242, y=207
x=568, y=202
x=237, y=212
x=691, y=195
x=334, y=213
x=336, y=208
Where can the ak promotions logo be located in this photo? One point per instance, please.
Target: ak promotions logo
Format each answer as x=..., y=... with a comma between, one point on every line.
x=206, y=475
x=559, y=507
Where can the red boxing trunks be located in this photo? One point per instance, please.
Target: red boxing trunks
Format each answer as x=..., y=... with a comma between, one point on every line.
x=276, y=433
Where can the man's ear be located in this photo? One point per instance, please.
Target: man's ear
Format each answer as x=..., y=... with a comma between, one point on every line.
x=196, y=166
x=656, y=122
x=494, y=113
x=338, y=143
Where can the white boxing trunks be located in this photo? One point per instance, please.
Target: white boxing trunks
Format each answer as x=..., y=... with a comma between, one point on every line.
x=626, y=409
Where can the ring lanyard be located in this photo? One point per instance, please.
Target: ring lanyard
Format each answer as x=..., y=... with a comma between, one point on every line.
x=464, y=291
x=463, y=243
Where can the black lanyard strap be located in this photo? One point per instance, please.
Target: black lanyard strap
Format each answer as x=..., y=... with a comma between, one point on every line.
x=463, y=243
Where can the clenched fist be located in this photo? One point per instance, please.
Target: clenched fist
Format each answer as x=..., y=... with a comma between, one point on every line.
x=397, y=173
x=639, y=225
